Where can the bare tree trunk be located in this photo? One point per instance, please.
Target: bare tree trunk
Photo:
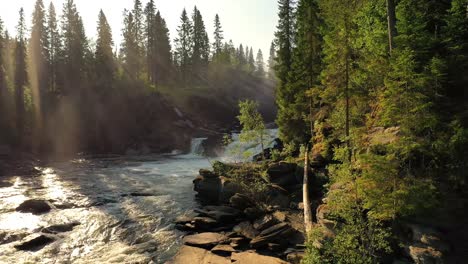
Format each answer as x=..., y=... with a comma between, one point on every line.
x=305, y=191
x=391, y=17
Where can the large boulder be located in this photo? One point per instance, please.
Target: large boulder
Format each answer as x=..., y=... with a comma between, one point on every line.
x=252, y=257
x=207, y=188
x=204, y=240
x=35, y=207
x=246, y=229
x=195, y=255
x=241, y=201
x=282, y=174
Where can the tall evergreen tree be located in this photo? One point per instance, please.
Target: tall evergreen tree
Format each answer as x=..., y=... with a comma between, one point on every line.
x=184, y=46
x=163, y=51
x=251, y=61
x=296, y=120
x=272, y=61
x=3, y=86
x=21, y=76
x=151, y=41
x=104, y=68
x=54, y=49
x=260, y=64
x=218, y=37
x=201, y=45
x=130, y=48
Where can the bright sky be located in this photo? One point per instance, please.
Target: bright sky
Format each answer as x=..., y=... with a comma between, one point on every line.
x=251, y=22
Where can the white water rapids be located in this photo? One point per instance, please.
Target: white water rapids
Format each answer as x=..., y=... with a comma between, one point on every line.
x=125, y=207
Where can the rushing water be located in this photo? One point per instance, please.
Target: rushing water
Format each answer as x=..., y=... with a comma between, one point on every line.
x=125, y=209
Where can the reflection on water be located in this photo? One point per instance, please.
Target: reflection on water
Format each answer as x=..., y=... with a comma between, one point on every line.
x=125, y=208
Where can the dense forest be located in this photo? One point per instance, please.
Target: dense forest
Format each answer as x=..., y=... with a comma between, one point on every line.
x=62, y=92
x=379, y=90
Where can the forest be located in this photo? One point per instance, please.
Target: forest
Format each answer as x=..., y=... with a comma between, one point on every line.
x=60, y=90
x=348, y=144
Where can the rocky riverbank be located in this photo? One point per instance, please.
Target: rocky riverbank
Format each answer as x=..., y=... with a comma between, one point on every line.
x=232, y=227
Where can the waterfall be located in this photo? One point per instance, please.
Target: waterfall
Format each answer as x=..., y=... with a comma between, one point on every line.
x=196, y=147
x=238, y=151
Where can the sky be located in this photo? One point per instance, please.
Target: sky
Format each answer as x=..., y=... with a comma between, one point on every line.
x=250, y=22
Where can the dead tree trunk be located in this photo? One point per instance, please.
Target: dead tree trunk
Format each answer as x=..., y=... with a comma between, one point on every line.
x=305, y=191
x=391, y=17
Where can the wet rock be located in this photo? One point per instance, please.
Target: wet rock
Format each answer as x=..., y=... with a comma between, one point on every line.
x=282, y=173
x=34, y=206
x=195, y=255
x=265, y=222
x=240, y=201
x=183, y=219
x=246, y=229
x=253, y=257
x=204, y=223
x=226, y=209
x=204, y=240
x=8, y=237
x=36, y=243
x=223, y=250
x=275, y=234
x=207, y=173
x=137, y=194
x=5, y=184
x=54, y=229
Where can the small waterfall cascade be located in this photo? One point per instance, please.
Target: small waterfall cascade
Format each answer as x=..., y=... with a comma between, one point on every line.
x=238, y=151
x=196, y=147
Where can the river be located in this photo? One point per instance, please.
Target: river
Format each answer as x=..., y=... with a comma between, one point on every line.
x=123, y=207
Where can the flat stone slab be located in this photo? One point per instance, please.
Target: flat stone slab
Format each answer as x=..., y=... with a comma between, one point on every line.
x=251, y=257
x=35, y=244
x=223, y=250
x=194, y=255
x=204, y=240
x=35, y=207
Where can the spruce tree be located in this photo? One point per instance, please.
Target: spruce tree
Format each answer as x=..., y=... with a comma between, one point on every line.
x=251, y=62
x=21, y=77
x=184, y=47
x=151, y=41
x=260, y=65
x=130, y=48
x=104, y=58
x=54, y=49
x=163, y=51
x=218, y=38
x=272, y=61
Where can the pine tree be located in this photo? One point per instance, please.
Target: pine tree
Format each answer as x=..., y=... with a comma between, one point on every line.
x=296, y=120
x=74, y=48
x=21, y=76
x=130, y=48
x=163, y=51
x=201, y=45
x=284, y=42
x=260, y=65
x=272, y=61
x=138, y=24
x=54, y=41
x=251, y=63
x=104, y=64
x=184, y=47
x=241, y=58
x=151, y=41
x=218, y=38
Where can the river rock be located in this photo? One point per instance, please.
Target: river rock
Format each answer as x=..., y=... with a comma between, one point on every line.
x=246, y=229
x=275, y=234
x=204, y=240
x=223, y=250
x=204, y=223
x=195, y=255
x=208, y=188
x=35, y=207
x=35, y=243
x=265, y=222
x=282, y=174
x=252, y=257
x=240, y=201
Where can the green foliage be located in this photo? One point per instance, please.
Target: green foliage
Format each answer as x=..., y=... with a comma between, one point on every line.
x=253, y=125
